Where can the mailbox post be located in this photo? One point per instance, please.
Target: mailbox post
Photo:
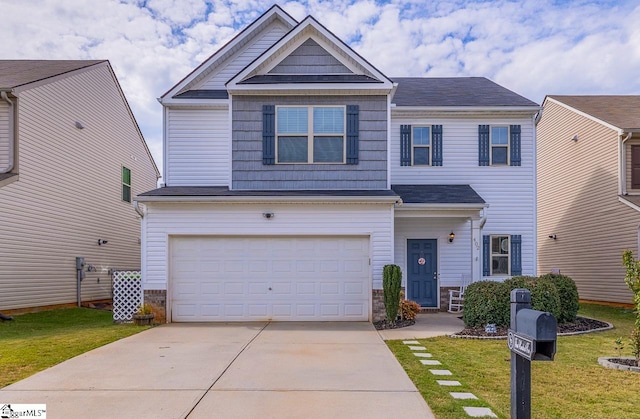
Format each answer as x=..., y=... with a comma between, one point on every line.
x=532, y=336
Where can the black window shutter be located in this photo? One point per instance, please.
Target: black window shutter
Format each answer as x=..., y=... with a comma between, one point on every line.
x=268, y=134
x=483, y=145
x=436, y=140
x=516, y=254
x=405, y=145
x=514, y=140
x=486, y=256
x=353, y=133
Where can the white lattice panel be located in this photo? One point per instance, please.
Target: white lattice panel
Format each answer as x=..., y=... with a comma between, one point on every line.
x=127, y=294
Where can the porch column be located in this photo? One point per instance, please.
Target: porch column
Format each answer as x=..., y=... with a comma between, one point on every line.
x=476, y=245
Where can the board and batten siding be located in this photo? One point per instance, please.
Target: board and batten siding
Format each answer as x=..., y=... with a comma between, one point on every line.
x=578, y=202
x=69, y=192
x=197, y=148
x=164, y=220
x=248, y=171
x=4, y=135
x=229, y=68
x=509, y=190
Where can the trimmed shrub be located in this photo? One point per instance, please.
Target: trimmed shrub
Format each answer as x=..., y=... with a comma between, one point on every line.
x=486, y=302
x=568, y=293
x=544, y=294
x=409, y=309
x=391, y=284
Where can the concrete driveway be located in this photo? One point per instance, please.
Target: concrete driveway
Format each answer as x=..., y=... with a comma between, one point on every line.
x=269, y=370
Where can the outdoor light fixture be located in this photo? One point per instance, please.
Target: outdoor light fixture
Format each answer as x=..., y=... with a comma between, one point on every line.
x=575, y=138
x=268, y=215
x=452, y=236
x=79, y=125
x=552, y=236
x=101, y=242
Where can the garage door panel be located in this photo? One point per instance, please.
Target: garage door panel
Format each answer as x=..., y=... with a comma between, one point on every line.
x=278, y=278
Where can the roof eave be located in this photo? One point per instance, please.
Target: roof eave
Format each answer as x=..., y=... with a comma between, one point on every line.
x=271, y=199
x=462, y=109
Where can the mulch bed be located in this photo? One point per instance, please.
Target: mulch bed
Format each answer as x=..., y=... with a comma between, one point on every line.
x=582, y=324
x=384, y=324
x=623, y=361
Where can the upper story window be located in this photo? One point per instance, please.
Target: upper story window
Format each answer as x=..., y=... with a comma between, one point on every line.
x=421, y=145
x=126, y=184
x=314, y=134
x=499, y=145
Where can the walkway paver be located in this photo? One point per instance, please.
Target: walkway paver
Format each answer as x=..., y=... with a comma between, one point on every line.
x=479, y=412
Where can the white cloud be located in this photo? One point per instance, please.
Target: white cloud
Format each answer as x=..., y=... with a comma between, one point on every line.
x=534, y=47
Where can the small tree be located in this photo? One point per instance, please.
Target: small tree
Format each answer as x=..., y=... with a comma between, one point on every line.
x=632, y=278
x=391, y=283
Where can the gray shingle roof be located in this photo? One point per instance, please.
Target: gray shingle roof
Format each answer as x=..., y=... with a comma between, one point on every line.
x=454, y=91
x=203, y=94
x=620, y=111
x=437, y=194
x=14, y=73
x=224, y=191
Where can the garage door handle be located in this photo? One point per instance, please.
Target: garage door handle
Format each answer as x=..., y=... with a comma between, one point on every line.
x=269, y=288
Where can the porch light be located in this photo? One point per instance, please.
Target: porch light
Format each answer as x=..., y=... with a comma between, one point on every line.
x=452, y=236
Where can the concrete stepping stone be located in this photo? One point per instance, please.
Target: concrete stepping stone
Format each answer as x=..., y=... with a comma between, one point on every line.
x=417, y=348
x=411, y=342
x=448, y=383
x=430, y=362
x=463, y=396
x=441, y=372
x=479, y=412
x=423, y=354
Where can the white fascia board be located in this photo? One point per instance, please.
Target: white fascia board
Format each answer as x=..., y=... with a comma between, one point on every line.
x=466, y=109
x=452, y=207
x=239, y=38
x=191, y=103
x=280, y=47
x=272, y=199
x=586, y=115
x=308, y=88
x=439, y=210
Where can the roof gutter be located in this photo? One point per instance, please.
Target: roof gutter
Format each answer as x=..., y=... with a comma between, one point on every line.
x=12, y=136
x=622, y=173
x=272, y=199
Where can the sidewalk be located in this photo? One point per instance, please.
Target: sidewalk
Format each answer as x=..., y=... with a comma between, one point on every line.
x=427, y=325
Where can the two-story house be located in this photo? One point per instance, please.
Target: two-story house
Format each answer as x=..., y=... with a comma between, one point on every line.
x=72, y=158
x=295, y=170
x=589, y=191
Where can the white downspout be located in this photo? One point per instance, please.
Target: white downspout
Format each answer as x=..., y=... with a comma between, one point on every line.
x=622, y=186
x=12, y=136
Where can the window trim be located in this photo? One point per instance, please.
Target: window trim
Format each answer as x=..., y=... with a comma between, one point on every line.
x=123, y=184
x=428, y=147
x=506, y=146
x=491, y=254
x=311, y=135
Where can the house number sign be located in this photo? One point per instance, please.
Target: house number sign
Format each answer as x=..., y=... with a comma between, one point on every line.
x=421, y=261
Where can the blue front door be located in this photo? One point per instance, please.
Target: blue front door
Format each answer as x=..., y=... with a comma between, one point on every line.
x=422, y=275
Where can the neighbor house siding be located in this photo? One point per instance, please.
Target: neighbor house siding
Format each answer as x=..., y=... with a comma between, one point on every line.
x=69, y=192
x=250, y=173
x=245, y=55
x=198, y=144
x=578, y=202
x=164, y=220
x=4, y=135
x=508, y=190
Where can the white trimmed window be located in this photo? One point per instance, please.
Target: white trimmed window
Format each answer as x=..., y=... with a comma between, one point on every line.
x=500, y=255
x=420, y=146
x=310, y=134
x=499, y=145
x=126, y=184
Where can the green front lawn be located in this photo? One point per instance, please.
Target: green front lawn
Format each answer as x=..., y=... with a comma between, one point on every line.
x=573, y=386
x=36, y=341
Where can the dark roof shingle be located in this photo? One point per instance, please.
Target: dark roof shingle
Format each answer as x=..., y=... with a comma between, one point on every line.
x=620, y=111
x=14, y=73
x=437, y=194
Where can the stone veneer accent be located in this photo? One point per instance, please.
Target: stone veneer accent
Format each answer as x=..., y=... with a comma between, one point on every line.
x=377, y=300
x=444, y=297
x=157, y=299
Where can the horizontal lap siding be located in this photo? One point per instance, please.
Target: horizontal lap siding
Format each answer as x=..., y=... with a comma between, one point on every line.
x=250, y=173
x=4, y=135
x=69, y=192
x=508, y=190
x=245, y=219
x=197, y=147
x=245, y=56
x=578, y=202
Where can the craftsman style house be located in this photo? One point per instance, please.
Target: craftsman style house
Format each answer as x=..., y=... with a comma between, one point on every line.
x=71, y=160
x=295, y=170
x=589, y=191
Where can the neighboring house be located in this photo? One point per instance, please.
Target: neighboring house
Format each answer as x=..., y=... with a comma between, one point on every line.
x=589, y=191
x=295, y=170
x=71, y=159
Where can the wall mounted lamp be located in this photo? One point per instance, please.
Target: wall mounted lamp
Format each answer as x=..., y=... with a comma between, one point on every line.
x=553, y=236
x=101, y=242
x=452, y=236
x=79, y=125
x=575, y=138
x=268, y=215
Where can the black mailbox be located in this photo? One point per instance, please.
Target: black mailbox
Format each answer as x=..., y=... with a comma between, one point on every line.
x=542, y=329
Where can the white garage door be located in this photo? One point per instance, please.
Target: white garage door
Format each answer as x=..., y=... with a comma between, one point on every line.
x=277, y=278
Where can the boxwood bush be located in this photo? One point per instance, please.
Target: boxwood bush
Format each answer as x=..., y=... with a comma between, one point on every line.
x=544, y=294
x=568, y=293
x=486, y=302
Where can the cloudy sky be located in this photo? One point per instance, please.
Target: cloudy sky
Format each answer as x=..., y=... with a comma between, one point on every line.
x=534, y=47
